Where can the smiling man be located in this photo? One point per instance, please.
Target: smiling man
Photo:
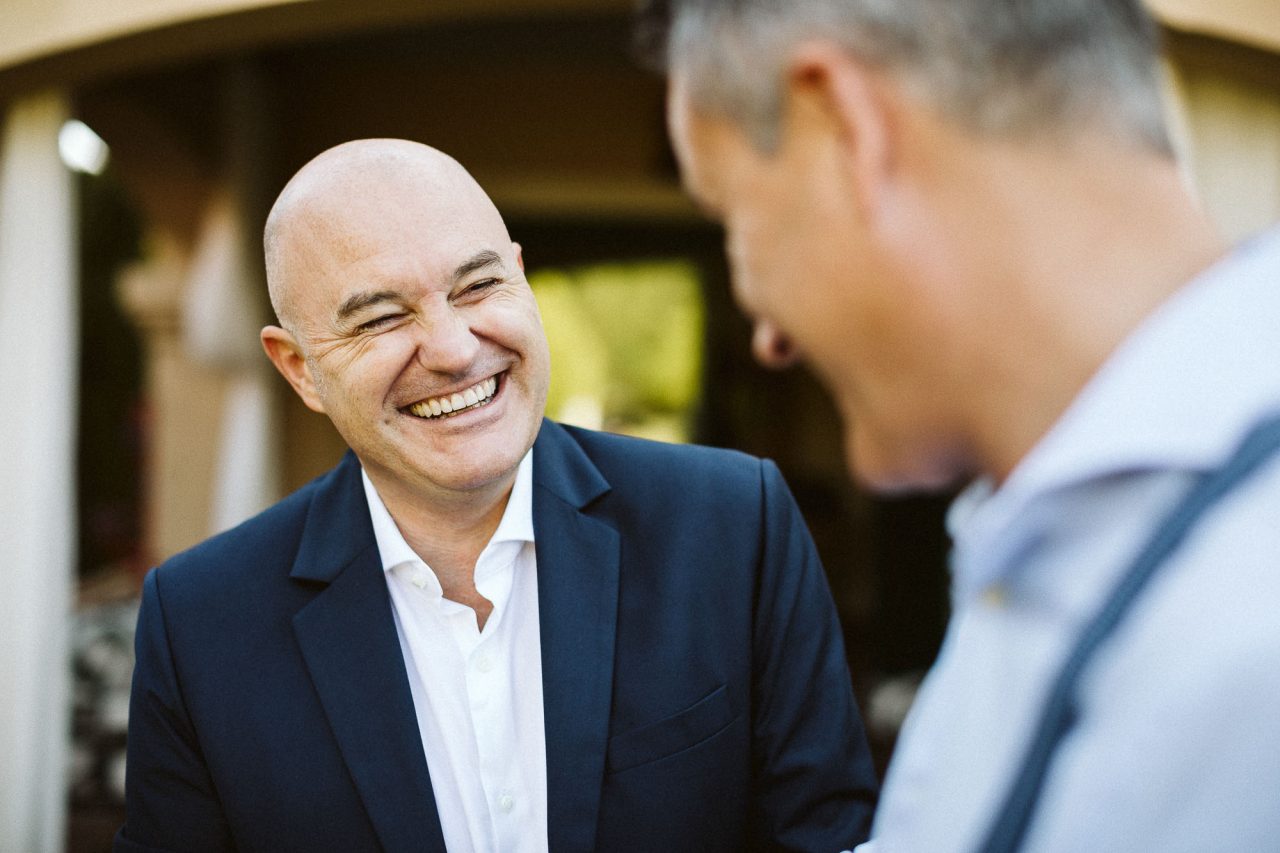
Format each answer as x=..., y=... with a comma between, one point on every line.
x=965, y=215
x=482, y=631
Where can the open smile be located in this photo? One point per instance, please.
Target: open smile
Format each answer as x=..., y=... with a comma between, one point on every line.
x=449, y=405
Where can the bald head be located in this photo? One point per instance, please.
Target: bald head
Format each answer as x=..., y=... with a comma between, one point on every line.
x=408, y=321
x=349, y=192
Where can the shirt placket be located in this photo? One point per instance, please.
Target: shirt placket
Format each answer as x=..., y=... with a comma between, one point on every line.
x=488, y=681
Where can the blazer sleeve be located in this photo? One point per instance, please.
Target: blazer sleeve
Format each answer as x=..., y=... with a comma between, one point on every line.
x=171, y=803
x=815, y=781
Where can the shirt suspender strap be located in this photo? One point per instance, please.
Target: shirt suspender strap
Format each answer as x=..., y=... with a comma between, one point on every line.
x=1059, y=713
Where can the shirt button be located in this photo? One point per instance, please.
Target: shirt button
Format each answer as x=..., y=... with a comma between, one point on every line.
x=506, y=802
x=483, y=663
x=996, y=596
x=419, y=579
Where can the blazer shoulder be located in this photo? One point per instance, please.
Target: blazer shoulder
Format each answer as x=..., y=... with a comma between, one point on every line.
x=692, y=470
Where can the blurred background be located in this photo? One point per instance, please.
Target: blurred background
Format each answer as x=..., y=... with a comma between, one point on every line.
x=141, y=144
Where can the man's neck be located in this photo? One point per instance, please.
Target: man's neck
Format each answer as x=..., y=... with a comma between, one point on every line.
x=1082, y=245
x=449, y=530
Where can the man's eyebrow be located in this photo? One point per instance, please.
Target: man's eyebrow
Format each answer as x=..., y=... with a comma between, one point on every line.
x=478, y=261
x=358, y=301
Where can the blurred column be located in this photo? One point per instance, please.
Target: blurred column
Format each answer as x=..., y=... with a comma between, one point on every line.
x=226, y=307
x=213, y=459
x=38, y=351
x=185, y=401
x=221, y=324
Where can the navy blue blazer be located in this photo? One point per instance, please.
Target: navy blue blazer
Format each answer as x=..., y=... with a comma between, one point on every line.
x=695, y=686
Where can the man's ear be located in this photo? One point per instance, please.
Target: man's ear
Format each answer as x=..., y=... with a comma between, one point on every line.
x=854, y=104
x=286, y=355
x=516, y=247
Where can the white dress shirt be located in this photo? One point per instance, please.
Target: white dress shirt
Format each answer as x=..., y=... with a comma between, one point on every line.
x=1178, y=743
x=478, y=694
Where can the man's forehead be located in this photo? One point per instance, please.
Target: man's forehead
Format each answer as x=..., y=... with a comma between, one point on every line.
x=358, y=187
x=701, y=143
x=368, y=207
x=370, y=163
x=681, y=120
x=404, y=220
x=412, y=260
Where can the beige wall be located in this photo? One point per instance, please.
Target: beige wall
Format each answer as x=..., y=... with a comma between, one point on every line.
x=1252, y=22
x=67, y=42
x=37, y=29
x=1226, y=106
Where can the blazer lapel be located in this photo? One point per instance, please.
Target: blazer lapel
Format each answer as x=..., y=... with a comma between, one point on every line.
x=578, y=561
x=349, y=643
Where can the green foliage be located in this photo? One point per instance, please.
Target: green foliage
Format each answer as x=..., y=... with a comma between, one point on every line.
x=626, y=345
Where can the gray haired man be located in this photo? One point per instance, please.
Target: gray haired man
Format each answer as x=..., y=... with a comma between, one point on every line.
x=965, y=216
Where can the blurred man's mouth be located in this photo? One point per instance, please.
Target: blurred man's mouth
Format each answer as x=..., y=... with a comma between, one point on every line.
x=448, y=405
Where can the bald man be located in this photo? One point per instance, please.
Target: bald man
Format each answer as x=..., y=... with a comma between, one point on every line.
x=482, y=630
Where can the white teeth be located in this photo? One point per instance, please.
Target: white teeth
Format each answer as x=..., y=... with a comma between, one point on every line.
x=477, y=394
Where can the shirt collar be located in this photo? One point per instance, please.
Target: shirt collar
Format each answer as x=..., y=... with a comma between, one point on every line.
x=516, y=524
x=517, y=519
x=1177, y=394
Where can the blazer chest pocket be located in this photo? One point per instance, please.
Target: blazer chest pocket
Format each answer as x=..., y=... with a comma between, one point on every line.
x=704, y=718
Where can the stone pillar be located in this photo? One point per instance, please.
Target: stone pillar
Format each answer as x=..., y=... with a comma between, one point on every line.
x=184, y=403
x=221, y=319
x=39, y=336
x=226, y=306
x=213, y=459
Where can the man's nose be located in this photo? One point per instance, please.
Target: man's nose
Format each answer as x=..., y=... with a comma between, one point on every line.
x=446, y=342
x=772, y=347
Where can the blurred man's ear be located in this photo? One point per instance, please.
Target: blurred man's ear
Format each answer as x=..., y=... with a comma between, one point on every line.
x=834, y=93
x=286, y=355
x=772, y=347
x=519, y=254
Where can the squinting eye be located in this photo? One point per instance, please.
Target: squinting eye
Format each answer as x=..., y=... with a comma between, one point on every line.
x=370, y=325
x=482, y=285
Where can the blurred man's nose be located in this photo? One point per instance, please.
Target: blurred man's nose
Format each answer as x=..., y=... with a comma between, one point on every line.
x=772, y=347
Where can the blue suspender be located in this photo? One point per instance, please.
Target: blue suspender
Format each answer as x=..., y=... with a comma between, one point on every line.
x=1059, y=713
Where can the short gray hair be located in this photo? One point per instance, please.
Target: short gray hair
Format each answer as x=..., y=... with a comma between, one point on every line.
x=1009, y=67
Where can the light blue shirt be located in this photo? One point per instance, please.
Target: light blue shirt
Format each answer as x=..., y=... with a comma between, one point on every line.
x=1178, y=743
